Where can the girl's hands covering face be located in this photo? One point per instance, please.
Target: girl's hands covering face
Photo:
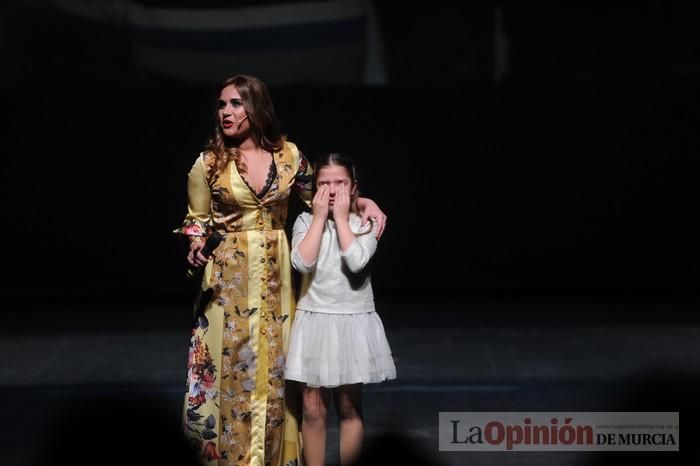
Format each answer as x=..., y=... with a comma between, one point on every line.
x=319, y=204
x=341, y=204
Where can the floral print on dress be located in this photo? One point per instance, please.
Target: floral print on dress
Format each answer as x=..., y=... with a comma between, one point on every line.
x=193, y=228
x=246, y=315
x=229, y=260
x=303, y=180
x=202, y=380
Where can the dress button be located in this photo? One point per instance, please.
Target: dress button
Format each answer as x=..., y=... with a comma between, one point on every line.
x=263, y=331
x=262, y=245
x=262, y=297
x=263, y=314
x=262, y=260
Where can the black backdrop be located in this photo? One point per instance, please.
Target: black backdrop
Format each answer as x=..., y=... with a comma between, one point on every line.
x=576, y=171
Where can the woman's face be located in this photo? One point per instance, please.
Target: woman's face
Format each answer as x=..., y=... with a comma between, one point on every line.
x=233, y=118
x=336, y=178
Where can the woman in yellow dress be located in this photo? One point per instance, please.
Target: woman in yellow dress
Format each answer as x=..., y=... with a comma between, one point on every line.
x=235, y=410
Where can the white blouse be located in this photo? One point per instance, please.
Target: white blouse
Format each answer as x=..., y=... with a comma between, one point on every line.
x=337, y=282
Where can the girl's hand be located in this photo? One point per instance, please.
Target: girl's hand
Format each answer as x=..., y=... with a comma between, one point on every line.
x=195, y=258
x=341, y=205
x=370, y=210
x=319, y=204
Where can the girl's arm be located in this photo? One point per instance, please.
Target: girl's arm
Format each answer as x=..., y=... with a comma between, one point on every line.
x=356, y=250
x=341, y=216
x=370, y=210
x=306, y=242
x=306, y=239
x=360, y=250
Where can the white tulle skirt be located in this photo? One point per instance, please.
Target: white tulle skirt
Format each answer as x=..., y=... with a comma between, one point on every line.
x=327, y=350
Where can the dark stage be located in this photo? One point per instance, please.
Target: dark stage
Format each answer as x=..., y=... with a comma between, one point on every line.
x=473, y=353
x=538, y=165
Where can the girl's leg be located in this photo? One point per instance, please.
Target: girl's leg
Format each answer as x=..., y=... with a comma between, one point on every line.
x=313, y=425
x=348, y=404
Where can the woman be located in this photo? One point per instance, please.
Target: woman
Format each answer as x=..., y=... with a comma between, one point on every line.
x=235, y=410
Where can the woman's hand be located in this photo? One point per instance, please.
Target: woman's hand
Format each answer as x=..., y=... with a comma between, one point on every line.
x=341, y=204
x=195, y=257
x=370, y=210
x=319, y=204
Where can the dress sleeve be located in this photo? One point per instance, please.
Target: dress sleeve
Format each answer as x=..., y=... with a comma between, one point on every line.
x=301, y=226
x=361, y=250
x=303, y=180
x=196, y=221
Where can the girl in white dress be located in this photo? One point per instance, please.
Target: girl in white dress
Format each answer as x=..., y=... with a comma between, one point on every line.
x=337, y=340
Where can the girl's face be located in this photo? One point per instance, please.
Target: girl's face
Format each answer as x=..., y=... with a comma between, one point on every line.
x=336, y=178
x=233, y=118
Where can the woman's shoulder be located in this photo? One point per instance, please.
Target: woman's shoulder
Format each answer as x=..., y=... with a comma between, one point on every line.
x=204, y=163
x=292, y=148
x=289, y=145
x=205, y=158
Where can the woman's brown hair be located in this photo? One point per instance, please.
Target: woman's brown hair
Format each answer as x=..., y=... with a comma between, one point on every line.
x=264, y=126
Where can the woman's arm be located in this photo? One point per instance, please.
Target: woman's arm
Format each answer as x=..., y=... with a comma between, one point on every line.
x=303, y=180
x=196, y=221
x=370, y=210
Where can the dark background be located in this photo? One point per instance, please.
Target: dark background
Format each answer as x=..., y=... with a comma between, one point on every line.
x=573, y=172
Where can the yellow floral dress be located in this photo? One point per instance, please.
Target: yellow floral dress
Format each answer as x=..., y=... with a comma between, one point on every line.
x=235, y=410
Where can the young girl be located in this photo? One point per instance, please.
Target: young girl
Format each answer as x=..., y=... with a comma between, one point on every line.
x=337, y=340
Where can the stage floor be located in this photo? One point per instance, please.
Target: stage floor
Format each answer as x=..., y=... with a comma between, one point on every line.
x=493, y=353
